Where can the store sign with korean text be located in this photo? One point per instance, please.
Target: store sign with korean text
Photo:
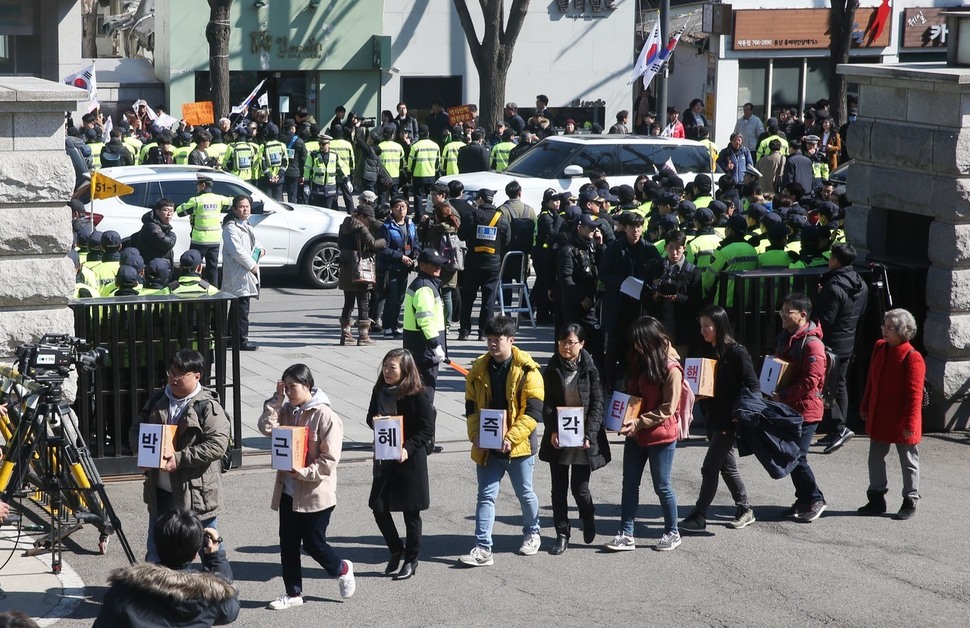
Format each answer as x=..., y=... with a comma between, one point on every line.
x=924, y=28
x=801, y=29
x=283, y=47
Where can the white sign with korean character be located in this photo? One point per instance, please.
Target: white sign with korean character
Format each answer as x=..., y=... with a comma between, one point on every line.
x=388, y=437
x=491, y=428
x=572, y=427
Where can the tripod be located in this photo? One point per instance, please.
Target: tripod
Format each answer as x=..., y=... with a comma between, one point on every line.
x=47, y=451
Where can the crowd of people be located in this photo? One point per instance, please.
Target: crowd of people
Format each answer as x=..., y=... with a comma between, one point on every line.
x=630, y=278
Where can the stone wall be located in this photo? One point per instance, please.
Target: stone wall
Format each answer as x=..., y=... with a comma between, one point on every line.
x=911, y=146
x=36, y=181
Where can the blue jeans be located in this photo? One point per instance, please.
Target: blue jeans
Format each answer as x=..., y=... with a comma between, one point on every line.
x=163, y=503
x=661, y=459
x=806, y=488
x=489, y=478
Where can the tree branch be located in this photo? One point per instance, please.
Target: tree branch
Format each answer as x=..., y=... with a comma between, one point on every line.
x=520, y=8
x=467, y=25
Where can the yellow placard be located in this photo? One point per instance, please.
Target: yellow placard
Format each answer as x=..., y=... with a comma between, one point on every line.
x=106, y=187
x=196, y=113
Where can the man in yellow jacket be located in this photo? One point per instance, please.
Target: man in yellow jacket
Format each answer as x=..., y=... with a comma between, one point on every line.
x=504, y=379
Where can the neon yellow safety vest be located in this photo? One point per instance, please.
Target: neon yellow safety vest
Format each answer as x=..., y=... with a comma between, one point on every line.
x=344, y=151
x=85, y=291
x=153, y=292
x=273, y=158
x=763, y=146
x=734, y=256
x=321, y=170
x=313, y=146
x=181, y=154
x=820, y=169
x=105, y=272
x=239, y=159
x=500, y=156
x=96, y=148
x=133, y=143
x=424, y=311
x=449, y=157
x=205, y=211
x=143, y=153
x=189, y=285
x=703, y=201
x=217, y=151
x=392, y=156
x=424, y=159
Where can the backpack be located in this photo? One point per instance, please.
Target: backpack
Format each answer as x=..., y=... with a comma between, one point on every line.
x=830, y=383
x=685, y=407
x=453, y=249
x=110, y=158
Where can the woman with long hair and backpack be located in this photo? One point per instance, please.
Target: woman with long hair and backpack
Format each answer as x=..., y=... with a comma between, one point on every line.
x=656, y=377
x=734, y=372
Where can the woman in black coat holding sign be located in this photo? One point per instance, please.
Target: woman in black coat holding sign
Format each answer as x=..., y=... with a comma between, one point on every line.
x=402, y=485
x=571, y=380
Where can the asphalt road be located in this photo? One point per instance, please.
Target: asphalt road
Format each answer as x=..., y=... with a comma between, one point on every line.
x=842, y=570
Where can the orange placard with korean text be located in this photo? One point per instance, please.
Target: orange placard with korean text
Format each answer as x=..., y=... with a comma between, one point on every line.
x=196, y=113
x=460, y=115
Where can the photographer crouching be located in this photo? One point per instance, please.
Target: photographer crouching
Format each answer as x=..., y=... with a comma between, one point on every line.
x=170, y=593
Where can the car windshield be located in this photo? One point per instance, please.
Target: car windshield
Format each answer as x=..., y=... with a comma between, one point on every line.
x=637, y=159
x=545, y=161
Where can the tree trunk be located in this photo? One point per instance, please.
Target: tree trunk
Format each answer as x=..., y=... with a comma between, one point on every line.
x=217, y=34
x=493, y=54
x=89, y=29
x=842, y=15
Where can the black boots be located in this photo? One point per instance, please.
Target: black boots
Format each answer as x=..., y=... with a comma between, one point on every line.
x=876, y=505
x=907, y=510
x=562, y=540
x=395, y=561
x=589, y=529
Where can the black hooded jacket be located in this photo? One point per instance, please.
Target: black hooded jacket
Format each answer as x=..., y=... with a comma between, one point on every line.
x=841, y=303
x=148, y=595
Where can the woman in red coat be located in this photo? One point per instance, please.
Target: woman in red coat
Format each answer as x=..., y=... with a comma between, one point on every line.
x=892, y=408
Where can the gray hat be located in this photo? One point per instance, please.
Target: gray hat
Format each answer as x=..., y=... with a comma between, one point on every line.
x=202, y=178
x=324, y=137
x=811, y=139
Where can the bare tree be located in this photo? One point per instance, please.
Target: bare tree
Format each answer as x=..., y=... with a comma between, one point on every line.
x=217, y=34
x=493, y=54
x=89, y=28
x=841, y=20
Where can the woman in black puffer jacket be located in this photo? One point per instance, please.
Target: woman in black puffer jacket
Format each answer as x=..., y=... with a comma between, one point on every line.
x=572, y=380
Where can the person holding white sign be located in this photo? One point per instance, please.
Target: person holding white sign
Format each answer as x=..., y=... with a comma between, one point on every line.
x=655, y=375
x=305, y=498
x=734, y=371
x=572, y=380
x=402, y=485
x=506, y=378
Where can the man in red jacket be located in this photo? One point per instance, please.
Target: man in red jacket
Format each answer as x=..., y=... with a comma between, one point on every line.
x=801, y=346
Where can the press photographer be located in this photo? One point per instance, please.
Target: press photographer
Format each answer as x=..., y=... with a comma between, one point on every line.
x=675, y=286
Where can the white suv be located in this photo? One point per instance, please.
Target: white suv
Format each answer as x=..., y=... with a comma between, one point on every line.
x=564, y=162
x=300, y=236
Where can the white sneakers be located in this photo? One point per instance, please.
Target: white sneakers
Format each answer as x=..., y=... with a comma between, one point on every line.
x=530, y=544
x=285, y=601
x=348, y=585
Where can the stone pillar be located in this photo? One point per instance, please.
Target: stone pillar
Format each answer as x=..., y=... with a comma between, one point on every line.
x=911, y=146
x=36, y=181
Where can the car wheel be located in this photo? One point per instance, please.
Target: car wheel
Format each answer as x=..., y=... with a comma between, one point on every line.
x=321, y=265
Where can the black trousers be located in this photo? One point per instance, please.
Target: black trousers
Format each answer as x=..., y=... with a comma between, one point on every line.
x=412, y=529
x=360, y=297
x=273, y=190
x=241, y=305
x=308, y=529
x=836, y=415
x=472, y=279
x=210, y=254
x=291, y=185
x=720, y=459
x=580, y=487
x=319, y=200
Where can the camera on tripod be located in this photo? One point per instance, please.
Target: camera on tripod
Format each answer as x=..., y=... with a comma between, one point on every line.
x=50, y=359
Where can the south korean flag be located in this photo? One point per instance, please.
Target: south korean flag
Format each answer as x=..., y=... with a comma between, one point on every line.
x=86, y=80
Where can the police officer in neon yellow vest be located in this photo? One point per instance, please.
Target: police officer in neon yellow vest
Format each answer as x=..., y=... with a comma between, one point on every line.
x=500, y=152
x=323, y=173
x=449, y=154
x=424, y=319
x=423, y=163
x=206, y=210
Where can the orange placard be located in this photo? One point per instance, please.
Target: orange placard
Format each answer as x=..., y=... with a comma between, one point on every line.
x=196, y=113
x=460, y=115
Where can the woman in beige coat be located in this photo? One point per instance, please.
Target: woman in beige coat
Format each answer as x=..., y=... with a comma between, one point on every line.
x=305, y=497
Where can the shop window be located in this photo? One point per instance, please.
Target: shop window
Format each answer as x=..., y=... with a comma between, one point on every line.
x=420, y=91
x=786, y=83
x=751, y=85
x=817, y=80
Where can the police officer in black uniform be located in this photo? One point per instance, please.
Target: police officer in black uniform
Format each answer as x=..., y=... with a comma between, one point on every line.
x=488, y=234
x=577, y=264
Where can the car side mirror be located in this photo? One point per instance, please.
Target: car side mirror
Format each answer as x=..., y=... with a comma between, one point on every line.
x=258, y=207
x=573, y=171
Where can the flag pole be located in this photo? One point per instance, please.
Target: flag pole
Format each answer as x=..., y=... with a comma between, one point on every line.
x=662, y=79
